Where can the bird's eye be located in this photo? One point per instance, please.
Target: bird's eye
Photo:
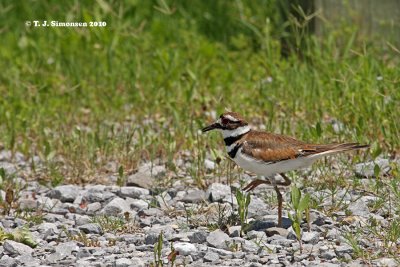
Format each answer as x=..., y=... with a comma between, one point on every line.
x=224, y=120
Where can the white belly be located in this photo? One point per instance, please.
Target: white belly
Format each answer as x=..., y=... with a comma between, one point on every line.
x=268, y=169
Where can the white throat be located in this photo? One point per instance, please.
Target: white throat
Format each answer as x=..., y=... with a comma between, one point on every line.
x=238, y=131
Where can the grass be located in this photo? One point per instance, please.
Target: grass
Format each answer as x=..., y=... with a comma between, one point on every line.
x=141, y=87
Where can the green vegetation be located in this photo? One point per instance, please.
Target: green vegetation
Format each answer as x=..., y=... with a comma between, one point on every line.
x=141, y=87
x=243, y=200
x=158, y=261
x=300, y=205
x=21, y=235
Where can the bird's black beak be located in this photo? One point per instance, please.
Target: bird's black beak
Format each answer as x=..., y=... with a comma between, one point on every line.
x=211, y=127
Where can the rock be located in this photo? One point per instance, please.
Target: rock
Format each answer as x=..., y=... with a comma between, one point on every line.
x=93, y=207
x=256, y=235
x=386, y=262
x=163, y=200
x=194, y=196
x=28, y=260
x=123, y=262
x=83, y=253
x=9, y=168
x=215, y=212
x=271, y=220
x=137, y=262
x=210, y=257
x=218, y=239
x=66, y=249
x=333, y=234
x=250, y=246
x=234, y=231
x=218, y=192
x=343, y=249
x=198, y=237
x=282, y=242
x=91, y=228
x=185, y=248
x=209, y=165
x=138, y=204
x=133, y=192
x=48, y=228
x=15, y=249
x=146, y=175
x=81, y=219
x=277, y=231
x=260, y=225
x=65, y=193
x=367, y=169
x=27, y=204
x=337, y=126
x=328, y=255
x=310, y=237
x=258, y=208
x=115, y=207
x=7, y=261
x=359, y=208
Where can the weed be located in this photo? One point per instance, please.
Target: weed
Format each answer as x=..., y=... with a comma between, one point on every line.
x=82, y=237
x=21, y=235
x=116, y=224
x=121, y=179
x=158, y=261
x=243, y=200
x=299, y=204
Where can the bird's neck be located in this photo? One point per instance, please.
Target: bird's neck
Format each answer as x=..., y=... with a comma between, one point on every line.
x=231, y=136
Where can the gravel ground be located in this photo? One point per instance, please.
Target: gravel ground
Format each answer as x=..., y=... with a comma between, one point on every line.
x=98, y=225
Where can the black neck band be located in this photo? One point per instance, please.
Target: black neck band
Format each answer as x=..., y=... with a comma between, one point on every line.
x=232, y=139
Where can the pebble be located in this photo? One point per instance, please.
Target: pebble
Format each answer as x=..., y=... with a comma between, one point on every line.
x=198, y=237
x=65, y=193
x=367, y=169
x=310, y=237
x=189, y=219
x=218, y=239
x=123, y=262
x=91, y=228
x=218, y=192
x=194, y=196
x=138, y=204
x=386, y=262
x=277, y=231
x=115, y=207
x=15, y=249
x=343, y=249
x=185, y=248
x=359, y=208
x=234, y=231
x=209, y=165
x=133, y=192
x=211, y=257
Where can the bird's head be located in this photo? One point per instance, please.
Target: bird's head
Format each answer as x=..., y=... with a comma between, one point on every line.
x=230, y=124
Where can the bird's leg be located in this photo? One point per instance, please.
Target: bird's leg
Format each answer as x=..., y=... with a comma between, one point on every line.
x=254, y=184
x=287, y=180
x=279, y=195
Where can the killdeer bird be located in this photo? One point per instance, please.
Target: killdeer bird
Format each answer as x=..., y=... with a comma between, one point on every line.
x=267, y=154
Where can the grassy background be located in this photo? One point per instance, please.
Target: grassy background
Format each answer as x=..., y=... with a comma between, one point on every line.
x=141, y=87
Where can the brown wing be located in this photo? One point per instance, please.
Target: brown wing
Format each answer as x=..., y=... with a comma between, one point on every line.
x=273, y=147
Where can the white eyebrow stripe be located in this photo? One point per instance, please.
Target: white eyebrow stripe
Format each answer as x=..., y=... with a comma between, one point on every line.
x=229, y=117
